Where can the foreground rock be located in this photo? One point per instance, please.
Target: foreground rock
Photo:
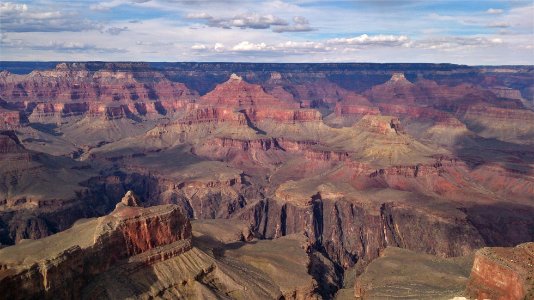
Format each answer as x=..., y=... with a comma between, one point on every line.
x=60, y=265
x=503, y=273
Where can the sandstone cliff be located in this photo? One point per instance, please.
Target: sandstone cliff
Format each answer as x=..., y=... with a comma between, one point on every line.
x=60, y=265
x=503, y=273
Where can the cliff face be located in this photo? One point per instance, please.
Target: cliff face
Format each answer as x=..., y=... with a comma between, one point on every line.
x=350, y=232
x=72, y=90
x=503, y=273
x=350, y=160
x=60, y=265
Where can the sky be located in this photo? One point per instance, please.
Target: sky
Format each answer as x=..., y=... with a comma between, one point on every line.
x=472, y=32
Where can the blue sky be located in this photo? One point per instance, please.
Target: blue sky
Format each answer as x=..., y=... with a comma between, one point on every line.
x=454, y=31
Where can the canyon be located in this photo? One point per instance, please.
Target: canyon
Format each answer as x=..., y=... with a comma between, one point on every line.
x=266, y=181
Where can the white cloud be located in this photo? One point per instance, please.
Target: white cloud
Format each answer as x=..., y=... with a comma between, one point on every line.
x=457, y=43
x=219, y=47
x=247, y=46
x=8, y=8
x=21, y=18
x=369, y=40
x=499, y=25
x=251, y=20
x=108, y=5
x=300, y=24
x=494, y=11
x=199, y=47
x=254, y=21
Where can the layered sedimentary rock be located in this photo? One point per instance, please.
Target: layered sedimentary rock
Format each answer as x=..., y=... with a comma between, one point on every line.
x=334, y=163
x=238, y=93
x=397, y=90
x=9, y=119
x=78, y=89
x=60, y=265
x=512, y=125
x=503, y=273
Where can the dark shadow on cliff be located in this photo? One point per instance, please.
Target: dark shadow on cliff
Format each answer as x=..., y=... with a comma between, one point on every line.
x=502, y=224
x=48, y=128
x=476, y=151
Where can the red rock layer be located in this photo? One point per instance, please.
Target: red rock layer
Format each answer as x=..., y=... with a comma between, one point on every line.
x=284, y=115
x=346, y=110
x=490, y=112
x=213, y=114
x=398, y=90
x=126, y=232
x=505, y=92
x=240, y=94
x=503, y=273
x=63, y=85
x=72, y=90
x=9, y=118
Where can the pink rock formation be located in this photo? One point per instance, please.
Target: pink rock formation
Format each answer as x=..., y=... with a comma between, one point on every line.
x=503, y=273
x=238, y=93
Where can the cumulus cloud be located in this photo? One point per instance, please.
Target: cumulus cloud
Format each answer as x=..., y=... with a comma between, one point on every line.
x=300, y=24
x=108, y=5
x=247, y=46
x=199, y=47
x=219, y=47
x=61, y=46
x=494, y=11
x=116, y=30
x=21, y=18
x=457, y=43
x=370, y=40
x=252, y=21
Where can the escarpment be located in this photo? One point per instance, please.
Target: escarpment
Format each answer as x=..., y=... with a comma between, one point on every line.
x=300, y=180
x=62, y=264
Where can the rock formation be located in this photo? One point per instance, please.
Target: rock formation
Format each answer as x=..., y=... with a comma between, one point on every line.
x=328, y=165
x=503, y=273
x=60, y=265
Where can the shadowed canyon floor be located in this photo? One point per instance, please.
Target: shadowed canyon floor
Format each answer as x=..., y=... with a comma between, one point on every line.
x=412, y=181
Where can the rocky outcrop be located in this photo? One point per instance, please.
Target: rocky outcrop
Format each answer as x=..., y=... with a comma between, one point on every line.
x=236, y=92
x=60, y=265
x=78, y=89
x=505, y=92
x=511, y=125
x=10, y=119
x=503, y=273
x=397, y=90
x=80, y=83
x=350, y=232
x=381, y=124
x=349, y=110
x=284, y=115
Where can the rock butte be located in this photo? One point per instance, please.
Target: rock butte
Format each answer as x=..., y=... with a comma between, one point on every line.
x=301, y=181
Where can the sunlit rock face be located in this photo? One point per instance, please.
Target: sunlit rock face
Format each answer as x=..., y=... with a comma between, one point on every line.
x=503, y=273
x=60, y=265
x=298, y=178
